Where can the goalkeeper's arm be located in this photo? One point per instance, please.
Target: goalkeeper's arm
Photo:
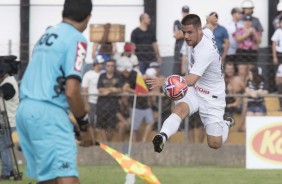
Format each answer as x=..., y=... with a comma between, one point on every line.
x=76, y=104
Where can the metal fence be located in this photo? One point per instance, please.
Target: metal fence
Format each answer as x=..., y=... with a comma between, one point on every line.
x=162, y=109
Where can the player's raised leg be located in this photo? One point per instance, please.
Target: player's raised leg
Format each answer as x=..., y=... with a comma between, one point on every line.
x=217, y=133
x=183, y=107
x=170, y=125
x=216, y=125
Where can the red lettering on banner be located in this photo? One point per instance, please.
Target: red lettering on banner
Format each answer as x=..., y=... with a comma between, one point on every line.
x=80, y=56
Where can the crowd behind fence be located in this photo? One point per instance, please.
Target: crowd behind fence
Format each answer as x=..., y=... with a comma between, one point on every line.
x=162, y=108
x=192, y=125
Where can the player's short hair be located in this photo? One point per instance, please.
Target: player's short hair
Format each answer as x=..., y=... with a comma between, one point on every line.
x=192, y=19
x=77, y=10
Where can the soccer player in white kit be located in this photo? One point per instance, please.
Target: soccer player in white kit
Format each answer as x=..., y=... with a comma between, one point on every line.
x=206, y=92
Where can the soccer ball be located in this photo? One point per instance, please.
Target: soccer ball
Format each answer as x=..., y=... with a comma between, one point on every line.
x=175, y=87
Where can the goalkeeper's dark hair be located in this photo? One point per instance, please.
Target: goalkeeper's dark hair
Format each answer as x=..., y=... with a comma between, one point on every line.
x=77, y=10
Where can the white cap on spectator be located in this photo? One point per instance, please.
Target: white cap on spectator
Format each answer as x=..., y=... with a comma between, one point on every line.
x=151, y=72
x=154, y=65
x=124, y=64
x=98, y=59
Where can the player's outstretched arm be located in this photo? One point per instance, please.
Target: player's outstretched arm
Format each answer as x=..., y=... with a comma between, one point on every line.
x=191, y=79
x=154, y=82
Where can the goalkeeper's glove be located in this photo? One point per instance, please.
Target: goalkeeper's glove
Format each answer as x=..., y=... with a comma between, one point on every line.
x=83, y=122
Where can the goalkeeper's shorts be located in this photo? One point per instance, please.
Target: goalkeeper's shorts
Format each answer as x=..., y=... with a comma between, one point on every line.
x=47, y=140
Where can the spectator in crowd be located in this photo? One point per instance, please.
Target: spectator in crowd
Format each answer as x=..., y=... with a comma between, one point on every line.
x=234, y=85
x=179, y=40
x=109, y=85
x=9, y=95
x=276, y=21
x=247, y=52
x=89, y=88
x=143, y=110
x=278, y=80
x=145, y=40
x=248, y=9
x=231, y=28
x=123, y=115
x=129, y=51
x=154, y=71
x=277, y=44
x=106, y=51
x=221, y=38
x=256, y=91
x=104, y=48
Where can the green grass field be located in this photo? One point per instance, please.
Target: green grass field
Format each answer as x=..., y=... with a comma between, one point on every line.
x=113, y=174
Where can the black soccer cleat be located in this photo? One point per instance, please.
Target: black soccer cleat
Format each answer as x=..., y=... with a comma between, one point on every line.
x=230, y=119
x=158, y=142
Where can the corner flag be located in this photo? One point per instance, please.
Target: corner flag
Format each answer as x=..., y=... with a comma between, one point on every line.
x=132, y=166
x=141, y=87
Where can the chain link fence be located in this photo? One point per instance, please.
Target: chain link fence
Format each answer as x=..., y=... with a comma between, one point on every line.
x=161, y=106
x=191, y=129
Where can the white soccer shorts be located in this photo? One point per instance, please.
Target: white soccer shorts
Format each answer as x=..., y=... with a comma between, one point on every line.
x=211, y=108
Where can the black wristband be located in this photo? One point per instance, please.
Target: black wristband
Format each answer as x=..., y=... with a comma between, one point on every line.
x=83, y=122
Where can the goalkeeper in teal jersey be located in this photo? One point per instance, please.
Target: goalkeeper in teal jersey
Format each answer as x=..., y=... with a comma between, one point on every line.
x=49, y=89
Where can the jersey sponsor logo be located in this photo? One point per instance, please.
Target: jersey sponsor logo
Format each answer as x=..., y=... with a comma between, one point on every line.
x=202, y=90
x=80, y=56
x=267, y=143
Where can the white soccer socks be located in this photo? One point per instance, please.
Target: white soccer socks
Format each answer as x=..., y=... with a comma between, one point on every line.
x=170, y=126
x=225, y=131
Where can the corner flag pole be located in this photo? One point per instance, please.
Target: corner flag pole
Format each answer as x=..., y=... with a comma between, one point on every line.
x=130, y=178
x=132, y=125
x=140, y=88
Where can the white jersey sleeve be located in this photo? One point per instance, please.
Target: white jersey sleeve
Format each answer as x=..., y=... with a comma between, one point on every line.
x=204, y=53
x=201, y=62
